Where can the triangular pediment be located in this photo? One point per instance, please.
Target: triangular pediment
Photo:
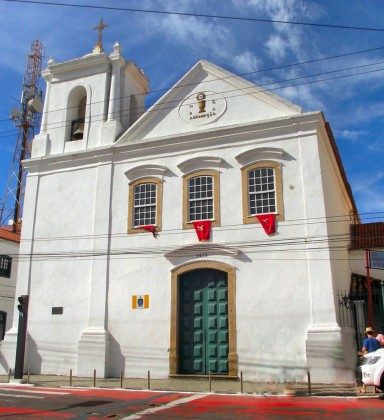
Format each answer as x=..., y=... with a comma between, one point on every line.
x=205, y=98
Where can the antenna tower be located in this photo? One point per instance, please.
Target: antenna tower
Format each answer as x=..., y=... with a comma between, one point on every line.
x=27, y=119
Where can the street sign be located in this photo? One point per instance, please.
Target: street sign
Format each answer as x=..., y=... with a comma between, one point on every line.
x=377, y=259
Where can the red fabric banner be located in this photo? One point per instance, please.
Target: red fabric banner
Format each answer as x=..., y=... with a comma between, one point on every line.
x=150, y=228
x=268, y=221
x=203, y=229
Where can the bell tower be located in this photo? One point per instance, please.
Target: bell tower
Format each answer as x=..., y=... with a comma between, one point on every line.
x=89, y=101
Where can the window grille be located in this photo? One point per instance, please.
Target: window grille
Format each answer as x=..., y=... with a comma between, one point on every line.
x=200, y=193
x=144, y=205
x=5, y=266
x=262, y=191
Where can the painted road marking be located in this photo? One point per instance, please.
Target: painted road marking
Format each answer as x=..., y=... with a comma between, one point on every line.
x=174, y=403
x=19, y=395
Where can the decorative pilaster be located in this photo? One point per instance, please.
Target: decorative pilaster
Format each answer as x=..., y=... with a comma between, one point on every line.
x=40, y=144
x=112, y=127
x=329, y=359
x=94, y=341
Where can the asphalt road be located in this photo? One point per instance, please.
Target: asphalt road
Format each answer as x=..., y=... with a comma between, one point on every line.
x=20, y=402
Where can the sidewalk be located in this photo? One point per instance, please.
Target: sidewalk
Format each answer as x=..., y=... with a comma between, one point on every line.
x=199, y=385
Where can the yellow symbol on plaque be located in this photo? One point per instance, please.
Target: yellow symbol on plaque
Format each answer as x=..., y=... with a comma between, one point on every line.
x=201, y=101
x=140, y=301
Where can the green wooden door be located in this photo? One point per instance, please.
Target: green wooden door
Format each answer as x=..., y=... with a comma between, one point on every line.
x=203, y=322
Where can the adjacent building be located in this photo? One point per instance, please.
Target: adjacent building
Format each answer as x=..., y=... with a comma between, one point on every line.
x=366, y=291
x=9, y=252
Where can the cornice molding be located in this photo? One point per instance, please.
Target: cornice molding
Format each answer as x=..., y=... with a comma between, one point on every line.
x=201, y=162
x=259, y=153
x=293, y=123
x=70, y=160
x=141, y=171
x=282, y=128
x=55, y=70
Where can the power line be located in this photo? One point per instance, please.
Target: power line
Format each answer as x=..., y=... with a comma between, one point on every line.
x=285, y=245
x=175, y=102
x=178, y=253
x=220, y=229
x=243, y=74
x=254, y=72
x=234, y=76
x=228, y=227
x=246, y=89
x=200, y=15
x=328, y=243
x=163, y=232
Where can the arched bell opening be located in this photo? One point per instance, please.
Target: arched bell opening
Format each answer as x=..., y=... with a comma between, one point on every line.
x=76, y=112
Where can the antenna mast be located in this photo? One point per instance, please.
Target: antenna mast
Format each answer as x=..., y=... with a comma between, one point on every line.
x=27, y=120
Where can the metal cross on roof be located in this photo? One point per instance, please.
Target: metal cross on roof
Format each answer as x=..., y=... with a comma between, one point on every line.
x=99, y=28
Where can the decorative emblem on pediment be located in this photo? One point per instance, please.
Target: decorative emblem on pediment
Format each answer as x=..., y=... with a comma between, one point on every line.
x=202, y=107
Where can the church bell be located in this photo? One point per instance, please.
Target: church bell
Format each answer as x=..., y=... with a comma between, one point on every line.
x=78, y=130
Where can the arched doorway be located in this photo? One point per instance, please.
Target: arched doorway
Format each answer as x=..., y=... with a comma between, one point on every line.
x=203, y=329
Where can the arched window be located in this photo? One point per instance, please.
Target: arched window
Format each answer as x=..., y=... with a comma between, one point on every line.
x=77, y=103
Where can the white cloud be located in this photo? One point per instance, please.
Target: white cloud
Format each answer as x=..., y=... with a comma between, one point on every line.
x=206, y=38
x=246, y=61
x=353, y=135
x=366, y=112
x=368, y=183
x=369, y=192
x=193, y=33
x=277, y=47
x=285, y=37
x=302, y=95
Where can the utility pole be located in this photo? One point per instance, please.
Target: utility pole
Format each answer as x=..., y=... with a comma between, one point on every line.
x=21, y=335
x=26, y=118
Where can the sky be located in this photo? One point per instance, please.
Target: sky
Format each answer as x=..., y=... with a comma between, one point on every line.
x=348, y=89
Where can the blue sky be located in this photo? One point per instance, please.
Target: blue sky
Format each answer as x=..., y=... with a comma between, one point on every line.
x=166, y=46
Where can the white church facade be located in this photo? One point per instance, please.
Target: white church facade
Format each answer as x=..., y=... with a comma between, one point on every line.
x=106, y=293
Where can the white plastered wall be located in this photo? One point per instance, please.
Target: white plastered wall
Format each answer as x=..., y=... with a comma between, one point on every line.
x=272, y=283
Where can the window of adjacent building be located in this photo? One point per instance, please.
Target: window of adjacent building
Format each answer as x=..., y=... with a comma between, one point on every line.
x=3, y=323
x=201, y=197
x=262, y=190
x=145, y=201
x=5, y=266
